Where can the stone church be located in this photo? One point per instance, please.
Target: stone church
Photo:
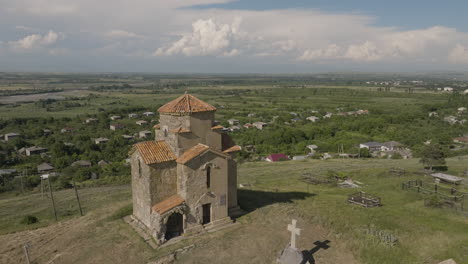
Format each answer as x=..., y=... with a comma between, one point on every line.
x=185, y=181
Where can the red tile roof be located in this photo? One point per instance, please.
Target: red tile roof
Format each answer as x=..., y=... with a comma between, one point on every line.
x=157, y=126
x=217, y=127
x=232, y=149
x=168, y=204
x=192, y=153
x=277, y=157
x=155, y=151
x=186, y=104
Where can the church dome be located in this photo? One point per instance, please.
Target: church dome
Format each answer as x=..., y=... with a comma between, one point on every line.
x=186, y=104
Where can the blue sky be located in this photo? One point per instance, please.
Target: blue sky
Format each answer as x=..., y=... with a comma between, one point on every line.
x=223, y=36
x=399, y=13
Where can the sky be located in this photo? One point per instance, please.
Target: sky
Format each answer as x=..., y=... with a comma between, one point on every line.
x=227, y=36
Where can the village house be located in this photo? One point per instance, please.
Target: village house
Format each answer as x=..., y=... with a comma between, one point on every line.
x=313, y=118
x=132, y=115
x=116, y=126
x=362, y=112
x=44, y=167
x=391, y=146
x=116, y=117
x=465, y=92
x=91, y=120
x=82, y=163
x=247, y=125
x=141, y=122
x=251, y=115
x=34, y=150
x=10, y=136
x=46, y=131
x=102, y=163
x=184, y=181
x=299, y=157
x=276, y=157
x=461, y=140
x=234, y=128
x=233, y=122
x=148, y=114
x=127, y=137
x=448, y=89
x=312, y=149
x=328, y=115
x=371, y=146
x=451, y=120
x=7, y=172
x=433, y=114
x=259, y=125
x=100, y=140
x=66, y=130
x=144, y=134
x=461, y=110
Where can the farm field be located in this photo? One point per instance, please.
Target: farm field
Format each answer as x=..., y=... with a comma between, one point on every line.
x=275, y=194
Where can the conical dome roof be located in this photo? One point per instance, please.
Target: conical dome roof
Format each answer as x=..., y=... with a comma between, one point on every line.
x=186, y=104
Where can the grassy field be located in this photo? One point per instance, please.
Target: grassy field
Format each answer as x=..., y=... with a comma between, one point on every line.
x=276, y=195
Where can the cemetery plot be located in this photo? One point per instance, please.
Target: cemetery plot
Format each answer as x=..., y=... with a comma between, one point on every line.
x=364, y=199
x=441, y=196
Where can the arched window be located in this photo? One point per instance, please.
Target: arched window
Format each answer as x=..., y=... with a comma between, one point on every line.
x=165, y=132
x=208, y=177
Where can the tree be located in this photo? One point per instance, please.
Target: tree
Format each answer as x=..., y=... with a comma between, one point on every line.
x=432, y=155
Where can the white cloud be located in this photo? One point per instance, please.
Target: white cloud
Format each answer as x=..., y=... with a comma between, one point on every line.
x=459, y=54
x=117, y=33
x=35, y=41
x=332, y=51
x=171, y=29
x=207, y=38
x=367, y=51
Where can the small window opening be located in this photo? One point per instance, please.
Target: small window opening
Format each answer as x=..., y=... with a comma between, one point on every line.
x=208, y=177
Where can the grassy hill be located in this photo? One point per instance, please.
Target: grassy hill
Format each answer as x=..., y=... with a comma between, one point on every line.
x=275, y=196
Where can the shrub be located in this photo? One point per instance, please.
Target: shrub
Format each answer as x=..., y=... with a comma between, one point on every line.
x=434, y=201
x=29, y=220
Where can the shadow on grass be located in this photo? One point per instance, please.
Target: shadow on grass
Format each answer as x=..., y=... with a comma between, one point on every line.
x=249, y=200
x=309, y=254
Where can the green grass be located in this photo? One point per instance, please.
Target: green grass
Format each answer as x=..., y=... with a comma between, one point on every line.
x=15, y=208
x=425, y=235
x=439, y=233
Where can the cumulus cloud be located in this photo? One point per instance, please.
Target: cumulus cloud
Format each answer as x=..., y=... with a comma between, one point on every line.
x=459, y=54
x=35, y=41
x=117, y=33
x=207, y=38
x=172, y=29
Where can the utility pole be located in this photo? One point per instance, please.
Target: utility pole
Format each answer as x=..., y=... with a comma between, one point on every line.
x=26, y=252
x=78, y=198
x=52, y=197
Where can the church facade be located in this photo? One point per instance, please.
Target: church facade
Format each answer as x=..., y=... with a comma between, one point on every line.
x=184, y=181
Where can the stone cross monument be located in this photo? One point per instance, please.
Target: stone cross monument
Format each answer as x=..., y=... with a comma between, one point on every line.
x=290, y=254
x=294, y=231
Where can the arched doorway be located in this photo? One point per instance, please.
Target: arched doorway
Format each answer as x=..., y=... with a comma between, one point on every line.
x=174, y=226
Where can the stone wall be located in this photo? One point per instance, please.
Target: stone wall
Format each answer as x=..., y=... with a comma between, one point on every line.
x=192, y=187
x=140, y=189
x=163, y=181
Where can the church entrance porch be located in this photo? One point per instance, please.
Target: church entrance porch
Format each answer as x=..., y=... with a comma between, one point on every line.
x=174, y=226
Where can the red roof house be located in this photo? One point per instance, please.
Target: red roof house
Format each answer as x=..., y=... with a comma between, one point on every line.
x=277, y=157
